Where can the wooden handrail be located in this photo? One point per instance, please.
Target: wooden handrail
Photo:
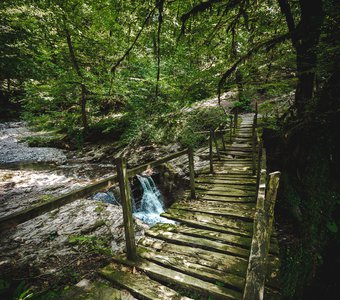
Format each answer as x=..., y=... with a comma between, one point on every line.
x=17, y=218
x=262, y=228
x=22, y=216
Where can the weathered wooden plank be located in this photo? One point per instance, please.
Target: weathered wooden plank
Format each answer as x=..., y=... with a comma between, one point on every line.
x=180, y=264
x=227, y=199
x=220, y=170
x=216, y=260
x=235, y=177
x=227, y=192
x=237, y=153
x=232, y=165
x=245, y=149
x=206, y=221
x=224, y=181
x=223, y=186
x=140, y=285
x=232, y=239
x=206, y=204
x=207, y=244
x=187, y=282
x=210, y=207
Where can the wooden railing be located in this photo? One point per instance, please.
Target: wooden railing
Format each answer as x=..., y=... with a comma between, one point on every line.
x=263, y=220
x=122, y=178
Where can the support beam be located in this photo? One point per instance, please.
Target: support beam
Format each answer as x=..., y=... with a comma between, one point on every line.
x=192, y=173
x=231, y=128
x=211, y=151
x=216, y=145
x=127, y=208
x=253, y=144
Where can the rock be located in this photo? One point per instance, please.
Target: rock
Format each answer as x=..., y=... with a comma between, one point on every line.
x=87, y=290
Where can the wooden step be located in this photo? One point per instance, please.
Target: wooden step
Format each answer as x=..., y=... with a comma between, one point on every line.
x=199, y=242
x=236, y=153
x=220, y=170
x=181, y=264
x=239, y=149
x=139, y=285
x=210, y=222
x=232, y=239
x=223, y=181
x=187, y=282
x=219, y=261
x=217, y=208
x=230, y=166
x=227, y=199
x=226, y=192
x=207, y=244
x=235, y=177
x=223, y=186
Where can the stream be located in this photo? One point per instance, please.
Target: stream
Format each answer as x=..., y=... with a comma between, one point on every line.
x=48, y=243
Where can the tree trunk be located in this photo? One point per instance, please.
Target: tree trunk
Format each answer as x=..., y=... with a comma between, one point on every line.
x=83, y=88
x=305, y=38
x=306, y=52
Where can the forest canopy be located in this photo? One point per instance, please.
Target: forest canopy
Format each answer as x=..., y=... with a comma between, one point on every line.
x=126, y=70
x=83, y=66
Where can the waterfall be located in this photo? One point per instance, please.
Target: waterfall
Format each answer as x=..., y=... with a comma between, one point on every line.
x=152, y=204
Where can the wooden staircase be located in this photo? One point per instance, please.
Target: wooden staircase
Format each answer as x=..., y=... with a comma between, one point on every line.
x=205, y=253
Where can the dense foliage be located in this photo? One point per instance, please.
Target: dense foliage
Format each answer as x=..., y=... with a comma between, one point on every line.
x=125, y=69
x=89, y=67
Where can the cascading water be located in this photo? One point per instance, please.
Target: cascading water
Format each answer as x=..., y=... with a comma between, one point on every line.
x=152, y=204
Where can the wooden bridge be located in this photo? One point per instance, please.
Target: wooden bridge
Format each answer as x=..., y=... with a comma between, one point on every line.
x=221, y=244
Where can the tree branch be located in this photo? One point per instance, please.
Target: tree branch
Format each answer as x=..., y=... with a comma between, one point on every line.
x=287, y=12
x=160, y=21
x=267, y=44
x=127, y=52
x=195, y=10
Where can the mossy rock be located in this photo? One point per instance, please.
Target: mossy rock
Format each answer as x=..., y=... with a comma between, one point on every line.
x=87, y=290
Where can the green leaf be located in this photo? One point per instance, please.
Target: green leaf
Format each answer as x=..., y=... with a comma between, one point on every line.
x=332, y=227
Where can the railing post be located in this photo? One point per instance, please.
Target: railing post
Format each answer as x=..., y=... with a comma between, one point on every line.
x=254, y=145
x=259, y=161
x=127, y=208
x=223, y=141
x=216, y=146
x=231, y=128
x=192, y=172
x=211, y=151
x=235, y=118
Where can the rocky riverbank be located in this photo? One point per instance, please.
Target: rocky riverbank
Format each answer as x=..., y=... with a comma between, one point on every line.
x=65, y=245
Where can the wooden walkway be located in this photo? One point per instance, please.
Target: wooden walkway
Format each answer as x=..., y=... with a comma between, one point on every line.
x=205, y=254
